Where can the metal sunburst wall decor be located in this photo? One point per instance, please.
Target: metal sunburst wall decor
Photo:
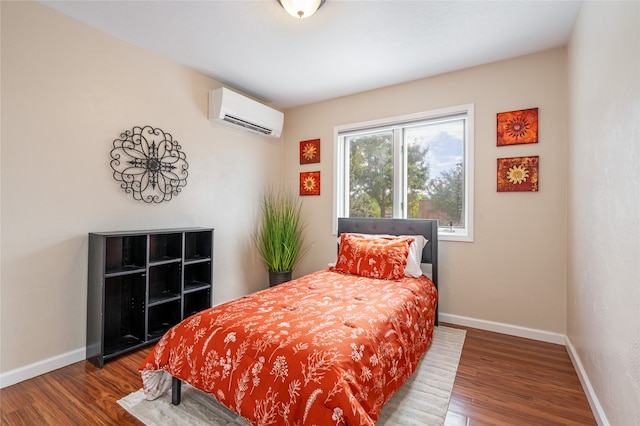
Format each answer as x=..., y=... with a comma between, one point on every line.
x=149, y=163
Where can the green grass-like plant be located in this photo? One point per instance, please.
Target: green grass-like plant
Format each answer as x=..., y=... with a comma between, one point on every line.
x=280, y=234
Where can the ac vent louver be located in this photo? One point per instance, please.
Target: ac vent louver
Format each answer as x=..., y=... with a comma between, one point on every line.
x=240, y=122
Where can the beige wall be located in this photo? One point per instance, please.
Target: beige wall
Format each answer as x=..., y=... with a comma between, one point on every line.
x=67, y=92
x=515, y=270
x=604, y=204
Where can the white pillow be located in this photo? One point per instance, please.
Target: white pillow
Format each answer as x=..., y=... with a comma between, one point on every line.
x=415, y=256
x=412, y=269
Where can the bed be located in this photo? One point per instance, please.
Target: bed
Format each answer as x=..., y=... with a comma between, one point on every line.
x=328, y=348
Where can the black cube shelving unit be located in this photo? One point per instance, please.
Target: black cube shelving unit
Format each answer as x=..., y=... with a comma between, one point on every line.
x=141, y=283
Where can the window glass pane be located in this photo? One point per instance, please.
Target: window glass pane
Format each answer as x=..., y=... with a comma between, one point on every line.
x=370, y=174
x=435, y=172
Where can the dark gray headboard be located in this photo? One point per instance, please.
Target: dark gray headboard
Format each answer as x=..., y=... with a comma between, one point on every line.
x=426, y=227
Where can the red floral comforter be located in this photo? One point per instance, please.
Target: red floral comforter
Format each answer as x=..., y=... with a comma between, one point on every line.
x=324, y=349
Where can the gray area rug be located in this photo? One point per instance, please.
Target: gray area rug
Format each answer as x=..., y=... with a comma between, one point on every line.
x=421, y=401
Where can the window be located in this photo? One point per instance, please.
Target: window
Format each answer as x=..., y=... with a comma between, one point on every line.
x=413, y=166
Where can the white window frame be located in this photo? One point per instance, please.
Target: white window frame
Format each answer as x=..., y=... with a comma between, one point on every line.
x=341, y=168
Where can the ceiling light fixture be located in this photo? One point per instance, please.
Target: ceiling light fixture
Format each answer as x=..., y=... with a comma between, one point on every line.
x=301, y=8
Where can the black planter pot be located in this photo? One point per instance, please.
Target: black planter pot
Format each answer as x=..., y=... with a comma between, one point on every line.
x=276, y=278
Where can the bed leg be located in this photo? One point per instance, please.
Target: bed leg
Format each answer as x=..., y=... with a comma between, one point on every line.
x=176, y=390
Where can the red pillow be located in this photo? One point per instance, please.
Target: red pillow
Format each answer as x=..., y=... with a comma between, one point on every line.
x=382, y=257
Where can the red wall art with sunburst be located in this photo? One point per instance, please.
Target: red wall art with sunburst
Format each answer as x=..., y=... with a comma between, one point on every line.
x=310, y=151
x=517, y=127
x=518, y=174
x=310, y=183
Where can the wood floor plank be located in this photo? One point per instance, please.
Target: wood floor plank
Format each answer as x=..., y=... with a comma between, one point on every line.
x=501, y=380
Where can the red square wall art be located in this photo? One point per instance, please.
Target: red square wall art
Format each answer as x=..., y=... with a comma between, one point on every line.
x=518, y=174
x=517, y=127
x=310, y=151
x=310, y=183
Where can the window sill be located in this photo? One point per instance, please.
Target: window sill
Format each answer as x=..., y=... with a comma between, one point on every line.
x=455, y=235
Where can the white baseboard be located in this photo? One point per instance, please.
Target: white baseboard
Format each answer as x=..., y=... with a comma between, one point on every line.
x=41, y=367
x=594, y=402
x=512, y=330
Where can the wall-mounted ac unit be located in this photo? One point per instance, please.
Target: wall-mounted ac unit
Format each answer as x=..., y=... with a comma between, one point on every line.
x=235, y=110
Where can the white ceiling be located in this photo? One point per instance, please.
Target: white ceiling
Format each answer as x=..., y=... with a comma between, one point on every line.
x=348, y=46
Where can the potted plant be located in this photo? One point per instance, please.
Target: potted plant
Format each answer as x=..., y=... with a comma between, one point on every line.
x=279, y=237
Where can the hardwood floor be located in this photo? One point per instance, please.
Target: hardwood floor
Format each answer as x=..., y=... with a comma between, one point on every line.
x=506, y=380
x=501, y=380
